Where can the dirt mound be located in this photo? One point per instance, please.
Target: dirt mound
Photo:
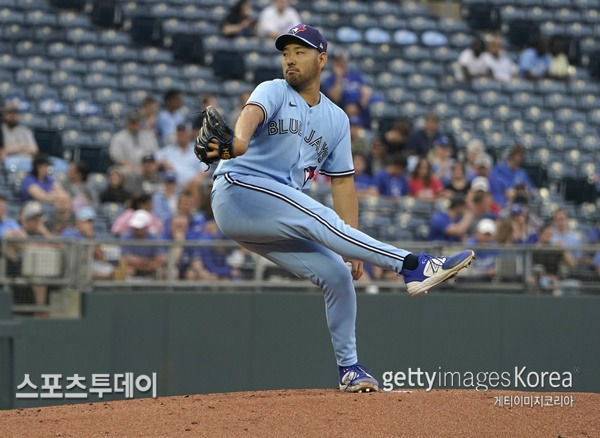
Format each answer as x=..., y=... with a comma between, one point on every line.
x=302, y=413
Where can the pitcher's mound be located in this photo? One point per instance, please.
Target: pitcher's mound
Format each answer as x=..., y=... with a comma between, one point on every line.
x=318, y=413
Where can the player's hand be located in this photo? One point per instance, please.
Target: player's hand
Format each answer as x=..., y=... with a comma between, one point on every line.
x=356, y=269
x=214, y=149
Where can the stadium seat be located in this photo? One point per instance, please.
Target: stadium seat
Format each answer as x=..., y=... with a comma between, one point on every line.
x=187, y=48
x=105, y=13
x=521, y=32
x=482, y=16
x=146, y=30
x=49, y=141
x=91, y=51
x=405, y=37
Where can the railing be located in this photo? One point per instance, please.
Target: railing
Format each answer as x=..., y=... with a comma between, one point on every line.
x=75, y=265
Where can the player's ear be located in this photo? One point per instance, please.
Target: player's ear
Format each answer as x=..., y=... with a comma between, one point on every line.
x=322, y=59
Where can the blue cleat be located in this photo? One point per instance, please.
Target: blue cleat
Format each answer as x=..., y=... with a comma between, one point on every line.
x=356, y=378
x=433, y=270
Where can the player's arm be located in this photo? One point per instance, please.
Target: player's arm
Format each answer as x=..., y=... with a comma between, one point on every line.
x=345, y=204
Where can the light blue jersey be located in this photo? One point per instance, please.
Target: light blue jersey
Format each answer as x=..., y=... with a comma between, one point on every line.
x=295, y=140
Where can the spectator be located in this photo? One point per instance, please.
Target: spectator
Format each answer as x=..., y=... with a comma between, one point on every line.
x=483, y=166
x=560, y=69
x=564, y=236
x=8, y=226
x=239, y=21
x=17, y=139
x=39, y=185
x=148, y=180
x=534, y=63
x=363, y=182
x=484, y=267
x=196, y=220
x=483, y=207
x=214, y=258
x=421, y=141
x=76, y=186
x=62, y=217
x=396, y=137
x=451, y=225
x=207, y=99
x=32, y=225
x=141, y=201
x=142, y=261
x=349, y=90
x=506, y=232
x=180, y=158
x=502, y=68
x=522, y=232
x=505, y=178
x=169, y=117
x=115, y=190
x=422, y=184
x=165, y=200
x=129, y=145
x=276, y=19
x=547, y=261
x=188, y=260
x=475, y=147
x=149, y=114
x=378, y=156
x=458, y=184
x=391, y=182
x=472, y=62
x=84, y=229
x=441, y=159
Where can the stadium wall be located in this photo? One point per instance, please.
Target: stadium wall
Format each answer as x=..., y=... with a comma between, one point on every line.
x=203, y=342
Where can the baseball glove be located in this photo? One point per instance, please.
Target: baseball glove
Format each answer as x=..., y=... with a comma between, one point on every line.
x=213, y=126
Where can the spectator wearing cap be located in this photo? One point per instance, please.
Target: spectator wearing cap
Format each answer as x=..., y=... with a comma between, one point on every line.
x=421, y=140
x=129, y=145
x=76, y=186
x=17, y=138
x=180, y=159
x=359, y=137
x=441, y=159
x=62, y=216
x=169, y=117
x=148, y=180
x=115, y=190
x=349, y=90
x=471, y=61
x=522, y=231
x=482, y=203
x=422, y=184
x=84, y=229
x=474, y=148
x=507, y=176
x=451, y=225
x=483, y=166
x=391, y=182
x=39, y=185
x=484, y=267
x=276, y=19
x=165, y=200
x=142, y=260
x=140, y=201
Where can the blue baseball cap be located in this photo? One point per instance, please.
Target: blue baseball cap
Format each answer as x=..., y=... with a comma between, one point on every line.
x=306, y=34
x=86, y=214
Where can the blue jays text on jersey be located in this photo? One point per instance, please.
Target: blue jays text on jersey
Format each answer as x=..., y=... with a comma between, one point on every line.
x=295, y=140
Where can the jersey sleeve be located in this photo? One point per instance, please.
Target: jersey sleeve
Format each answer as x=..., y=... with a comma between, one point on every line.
x=339, y=161
x=268, y=96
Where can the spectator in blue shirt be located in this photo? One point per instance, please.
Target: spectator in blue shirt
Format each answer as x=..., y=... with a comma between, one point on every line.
x=142, y=260
x=391, y=181
x=506, y=177
x=170, y=116
x=421, y=140
x=214, y=258
x=484, y=267
x=7, y=225
x=39, y=185
x=349, y=90
x=534, y=63
x=451, y=225
x=365, y=186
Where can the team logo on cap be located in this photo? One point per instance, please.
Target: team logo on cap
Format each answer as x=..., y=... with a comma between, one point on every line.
x=297, y=29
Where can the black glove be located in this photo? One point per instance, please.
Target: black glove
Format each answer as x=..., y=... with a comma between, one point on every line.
x=214, y=126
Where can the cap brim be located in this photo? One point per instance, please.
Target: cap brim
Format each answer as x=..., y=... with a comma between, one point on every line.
x=285, y=38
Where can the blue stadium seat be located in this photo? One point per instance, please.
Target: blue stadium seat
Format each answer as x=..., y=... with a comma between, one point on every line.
x=433, y=38
x=72, y=20
x=493, y=99
x=164, y=83
x=80, y=35
x=444, y=54
x=97, y=124
x=348, y=34
x=85, y=108
x=431, y=68
x=389, y=80
x=61, y=50
x=376, y=35
x=461, y=97
x=30, y=48
x=40, y=91
x=41, y=64
x=135, y=82
x=9, y=16
x=422, y=24
x=418, y=81
x=431, y=96
x=203, y=86
x=29, y=76
x=103, y=67
x=591, y=143
x=384, y=8
x=122, y=52
x=405, y=37
x=539, y=14
x=524, y=99
x=568, y=115
x=461, y=40
x=399, y=94
x=10, y=62
x=98, y=80
x=72, y=92
x=196, y=72
x=445, y=110
x=91, y=51
x=49, y=34
x=51, y=106
x=111, y=37
x=40, y=18
x=62, y=122
x=109, y=94
x=392, y=22
x=416, y=53
x=325, y=6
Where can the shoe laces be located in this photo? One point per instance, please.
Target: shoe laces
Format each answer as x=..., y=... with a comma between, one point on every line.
x=358, y=371
x=436, y=262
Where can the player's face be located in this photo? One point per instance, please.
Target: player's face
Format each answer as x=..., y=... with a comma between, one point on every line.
x=300, y=64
